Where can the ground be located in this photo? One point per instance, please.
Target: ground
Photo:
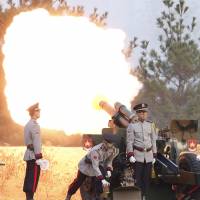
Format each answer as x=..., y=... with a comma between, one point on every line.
x=53, y=183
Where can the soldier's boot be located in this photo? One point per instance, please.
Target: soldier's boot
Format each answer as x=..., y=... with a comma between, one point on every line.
x=68, y=197
x=29, y=196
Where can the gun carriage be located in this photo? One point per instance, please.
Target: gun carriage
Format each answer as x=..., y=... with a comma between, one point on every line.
x=176, y=172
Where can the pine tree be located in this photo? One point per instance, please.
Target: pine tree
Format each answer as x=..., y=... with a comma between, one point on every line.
x=171, y=74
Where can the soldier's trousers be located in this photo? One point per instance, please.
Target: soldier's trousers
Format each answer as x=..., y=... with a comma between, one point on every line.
x=32, y=177
x=78, y=181
x=142, y=176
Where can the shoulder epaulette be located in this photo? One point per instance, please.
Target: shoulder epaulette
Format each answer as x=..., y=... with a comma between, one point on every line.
x=135, y=121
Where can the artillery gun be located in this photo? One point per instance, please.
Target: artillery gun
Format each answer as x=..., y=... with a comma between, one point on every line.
x=176, y=173
x=183, y=153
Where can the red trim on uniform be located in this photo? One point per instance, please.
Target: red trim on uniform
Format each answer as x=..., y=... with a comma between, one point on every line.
x=129, y=154
x=109, y=169
x=194, y=189
x=35, y=177
x=38, y=156
x=142, y=149
x=100, y=177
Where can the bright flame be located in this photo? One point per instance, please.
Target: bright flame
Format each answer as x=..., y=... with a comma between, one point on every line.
x=97, y=99
x=65, y=63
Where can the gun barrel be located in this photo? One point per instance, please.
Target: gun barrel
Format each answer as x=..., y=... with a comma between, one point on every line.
x=119, y=118
x=108, y=108
x=124, y=111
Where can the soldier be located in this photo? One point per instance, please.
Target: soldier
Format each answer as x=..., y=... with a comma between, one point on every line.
x=33, y=153
x=141, y=148
x=95, y=164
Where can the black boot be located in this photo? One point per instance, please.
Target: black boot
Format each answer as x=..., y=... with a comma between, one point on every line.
x=29, y=196
x=68, y=197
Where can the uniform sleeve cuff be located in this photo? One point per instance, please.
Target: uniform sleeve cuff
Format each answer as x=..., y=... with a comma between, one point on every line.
x=38, y=156
x=129, y=154
x=109, y=169
x=100, y=177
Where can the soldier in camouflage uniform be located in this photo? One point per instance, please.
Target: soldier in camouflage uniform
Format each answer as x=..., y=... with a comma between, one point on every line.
x=33, y=153
x=97, y=163
x=141, y=147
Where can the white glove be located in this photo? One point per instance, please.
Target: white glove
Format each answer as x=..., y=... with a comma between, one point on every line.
x=44, y=164
x=154, y=160
x=105, y=183
x=39, y=161
x=198, y=157
x=132, y=159
x=108, y=174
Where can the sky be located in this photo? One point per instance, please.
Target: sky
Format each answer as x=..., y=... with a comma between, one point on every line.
x=126, y=19
x=137, y=18
x=134, y=17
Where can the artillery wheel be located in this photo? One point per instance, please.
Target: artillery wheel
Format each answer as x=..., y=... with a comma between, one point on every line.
x=87, y=191
x=188, y=162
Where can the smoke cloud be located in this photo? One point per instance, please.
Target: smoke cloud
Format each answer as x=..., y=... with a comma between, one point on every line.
x=65, y=63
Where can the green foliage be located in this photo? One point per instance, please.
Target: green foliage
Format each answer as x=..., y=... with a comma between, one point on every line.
x=171, y=74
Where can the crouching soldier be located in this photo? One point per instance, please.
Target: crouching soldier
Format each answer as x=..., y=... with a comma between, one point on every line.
x=97, y=163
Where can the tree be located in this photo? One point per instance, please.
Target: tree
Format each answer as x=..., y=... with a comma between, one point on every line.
x=171, y=74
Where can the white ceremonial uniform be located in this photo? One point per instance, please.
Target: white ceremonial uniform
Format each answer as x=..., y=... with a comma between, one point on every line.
x=32, y=137
x=142, y=135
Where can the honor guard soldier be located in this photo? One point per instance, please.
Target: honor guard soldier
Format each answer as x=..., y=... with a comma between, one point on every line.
x=141, y=148
x=97, y=163
x=33, y=153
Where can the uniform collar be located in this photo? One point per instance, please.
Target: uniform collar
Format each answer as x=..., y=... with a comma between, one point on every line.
x=34, y=120
x=142, y=121
x=104, y=147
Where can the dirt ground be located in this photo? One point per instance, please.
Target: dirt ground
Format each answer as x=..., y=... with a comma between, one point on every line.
x=53, y=183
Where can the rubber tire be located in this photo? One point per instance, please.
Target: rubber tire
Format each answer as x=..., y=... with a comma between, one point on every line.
x=87, y=191
x=188, y=162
